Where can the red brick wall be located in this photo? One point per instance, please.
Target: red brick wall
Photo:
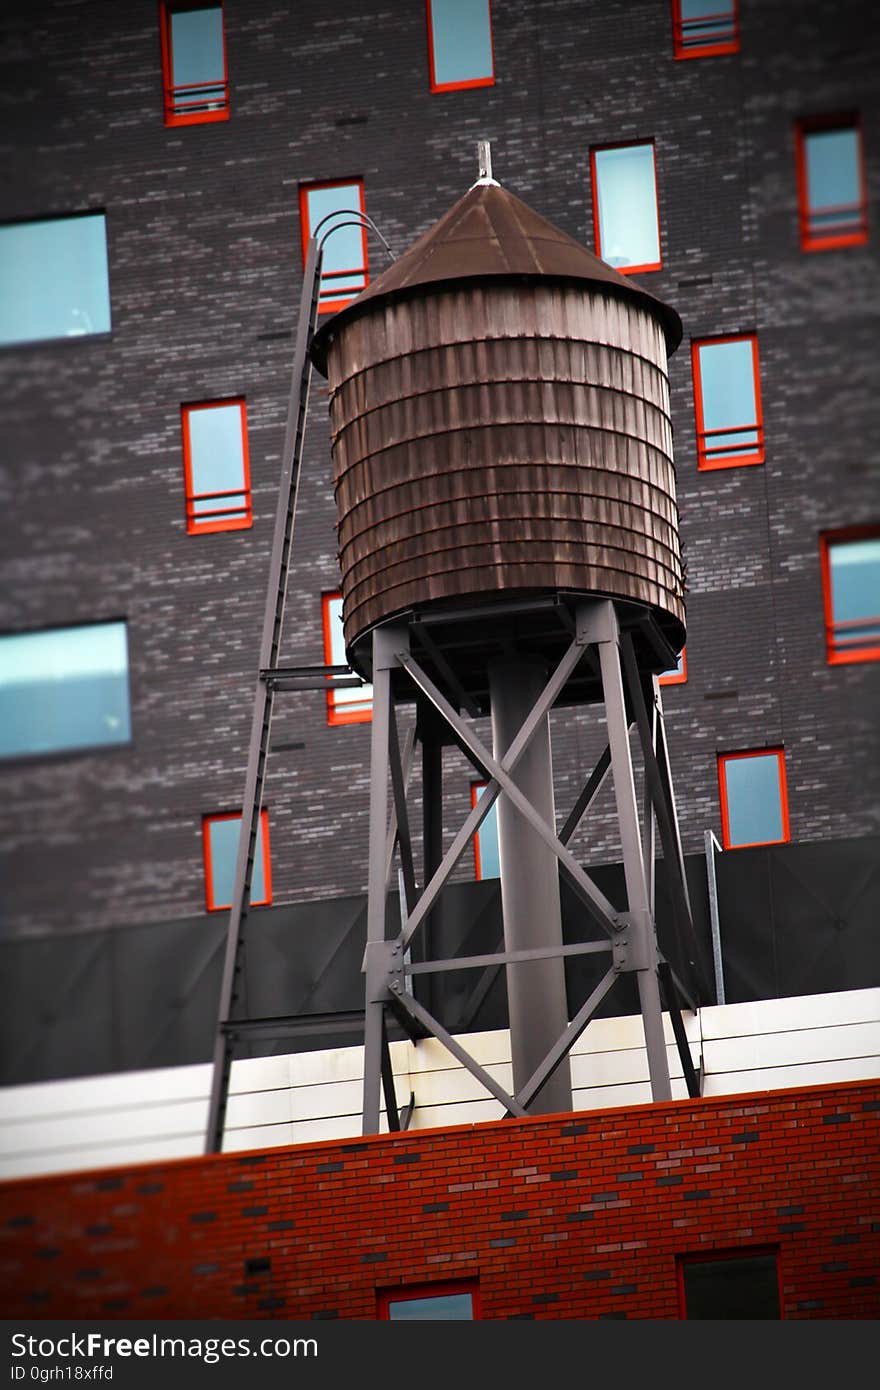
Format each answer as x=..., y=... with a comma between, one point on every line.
x=573, y=1216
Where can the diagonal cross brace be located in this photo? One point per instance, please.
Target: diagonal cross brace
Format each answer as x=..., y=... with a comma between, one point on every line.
x=602, y=910
x=566, y=1042
x=428, y=1021
x=485, y=803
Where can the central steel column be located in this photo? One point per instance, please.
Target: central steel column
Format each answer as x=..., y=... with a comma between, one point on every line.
x=530, y=887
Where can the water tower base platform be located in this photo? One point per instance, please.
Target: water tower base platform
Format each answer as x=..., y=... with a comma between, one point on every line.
x=455, y=643
x=612, y=654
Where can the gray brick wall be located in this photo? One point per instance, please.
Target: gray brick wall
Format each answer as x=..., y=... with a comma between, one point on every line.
x=204, y=247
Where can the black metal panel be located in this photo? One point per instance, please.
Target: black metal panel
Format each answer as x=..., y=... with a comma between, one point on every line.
x=795, y=919
x=800, y=919
x=59, y=1008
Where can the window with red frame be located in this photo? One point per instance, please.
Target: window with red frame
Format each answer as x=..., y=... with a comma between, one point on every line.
x=327, y=208
x=194, y=72
x=220, y=835
x=626, y=220
x=832, y=189
x=727, y=402
x=460, y=52
x=216, y=469
x=487, y=863
x=704, y=28
x=345, y=705
x=734, y=1284
x=677, y=674
x=851, y=585
x=754, y=798
x=456, y=1302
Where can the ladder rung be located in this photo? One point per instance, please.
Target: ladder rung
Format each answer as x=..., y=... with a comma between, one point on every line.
x=286, y=1024
x=273, y=671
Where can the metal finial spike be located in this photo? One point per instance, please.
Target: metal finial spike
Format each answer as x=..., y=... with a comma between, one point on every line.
x=484, y=164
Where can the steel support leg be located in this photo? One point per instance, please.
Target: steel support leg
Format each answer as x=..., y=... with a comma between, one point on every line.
x=530, y=887
x=642, y=936
x=384, y=643
x=426, y=944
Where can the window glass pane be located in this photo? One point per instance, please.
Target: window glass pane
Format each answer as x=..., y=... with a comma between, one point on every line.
x=705, y=20
x=627, y=201
x=727, y=387
x=197, y=46
x=223, y=834
x=353, y=698
x=745, y=1287
x=832, y=160
x=487, y=840
x=53, y=279
x=754, y=799
x=216, y=456
x=64, y=688
x=705, y=26
x=450, y=1307
x=855, y=592
x=462, y=41
x=701, y=9
x=344, y=250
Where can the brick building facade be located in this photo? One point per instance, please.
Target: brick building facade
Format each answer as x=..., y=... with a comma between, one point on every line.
x=204, y=237
x=595, y=1215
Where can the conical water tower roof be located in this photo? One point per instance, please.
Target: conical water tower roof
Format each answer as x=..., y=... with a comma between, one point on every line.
x=490, y=232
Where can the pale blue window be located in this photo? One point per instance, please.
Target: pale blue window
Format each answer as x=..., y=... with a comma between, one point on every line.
x=194, y=56
x=346, y=704
x=854, y=607
x=625, y=207
x=64, y=688
x=53, y=279
x=448, y=1307
x=833, y=172
x=344, y=266
x=728, y=402
x=753, y=791
x=221, y=853
x=460, y=38
x=216, y=469
x=197, y=49
x=488, y=860
x=702, y=27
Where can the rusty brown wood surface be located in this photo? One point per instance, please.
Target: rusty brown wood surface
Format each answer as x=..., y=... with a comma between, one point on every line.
x=503, y=437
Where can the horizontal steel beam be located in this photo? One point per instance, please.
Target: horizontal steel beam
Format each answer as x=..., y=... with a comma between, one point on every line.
x=583, y=948
x=286, y=1025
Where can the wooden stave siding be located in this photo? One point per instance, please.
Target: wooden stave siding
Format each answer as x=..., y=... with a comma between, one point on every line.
x=532, y=386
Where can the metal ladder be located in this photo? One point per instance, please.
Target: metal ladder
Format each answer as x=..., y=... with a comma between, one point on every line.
x=230, y=1029
x=231, y=1026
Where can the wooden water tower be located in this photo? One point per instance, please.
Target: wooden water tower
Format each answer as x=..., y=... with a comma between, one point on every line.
x=508, y=542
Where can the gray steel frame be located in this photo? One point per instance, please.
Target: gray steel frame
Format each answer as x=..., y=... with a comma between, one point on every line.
x=632, y=941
